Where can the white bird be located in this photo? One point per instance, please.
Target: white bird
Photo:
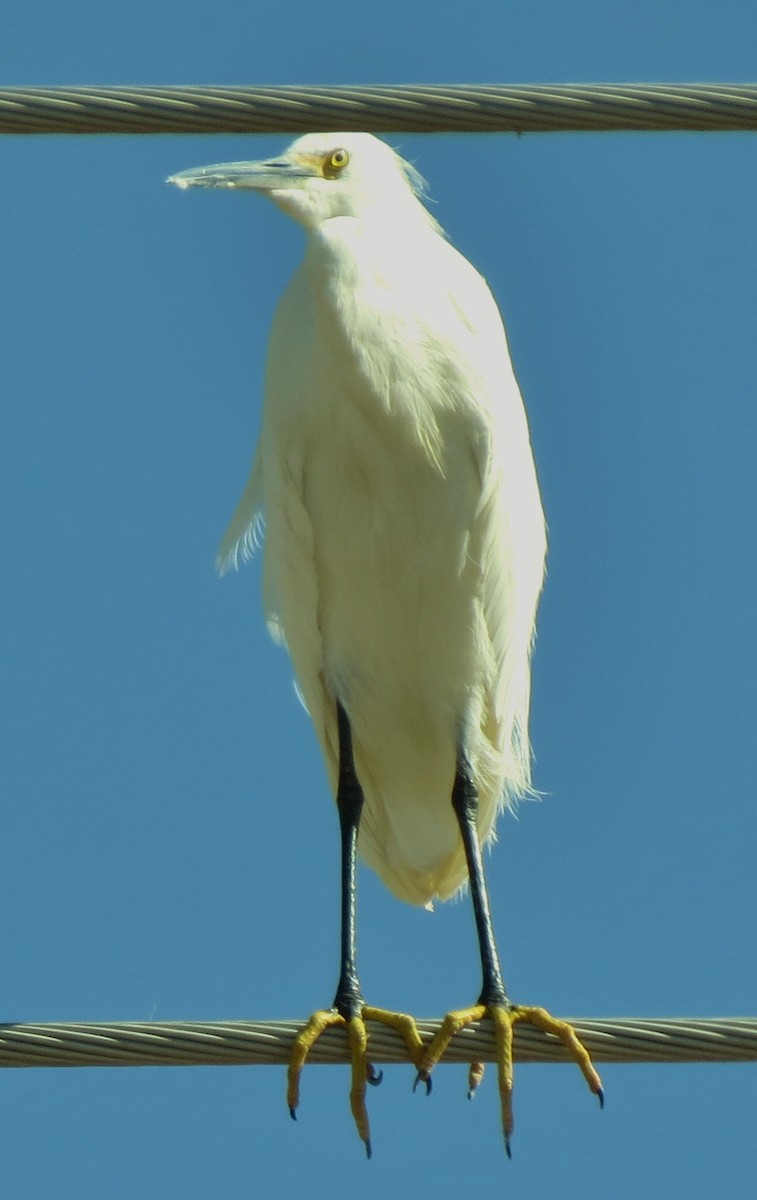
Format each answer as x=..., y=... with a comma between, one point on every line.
x=404, y=549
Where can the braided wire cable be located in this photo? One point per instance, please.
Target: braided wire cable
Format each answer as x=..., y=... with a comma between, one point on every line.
x=195, y=1043
x=407, y=108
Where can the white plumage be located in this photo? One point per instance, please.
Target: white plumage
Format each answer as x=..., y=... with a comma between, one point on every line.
x=404, y=534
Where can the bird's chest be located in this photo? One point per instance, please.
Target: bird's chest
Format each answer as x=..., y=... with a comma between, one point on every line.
x=356, y=375
x=368, y=415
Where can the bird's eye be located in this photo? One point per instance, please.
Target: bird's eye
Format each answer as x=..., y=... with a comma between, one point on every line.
x=335, y=162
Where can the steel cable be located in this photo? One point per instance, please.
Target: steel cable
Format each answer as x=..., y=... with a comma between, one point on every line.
x=513, y=108
x=194, y=1043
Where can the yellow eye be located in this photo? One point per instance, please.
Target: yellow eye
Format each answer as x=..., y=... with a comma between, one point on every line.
x=335, y=162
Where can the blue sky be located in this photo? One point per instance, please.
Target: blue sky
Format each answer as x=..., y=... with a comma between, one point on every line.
x=169, y=849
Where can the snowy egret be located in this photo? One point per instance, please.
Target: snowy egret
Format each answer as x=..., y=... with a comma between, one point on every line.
x=404, y=555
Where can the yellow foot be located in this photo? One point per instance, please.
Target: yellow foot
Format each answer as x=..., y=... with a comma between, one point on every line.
x=363, y=1072
x=504, y=1020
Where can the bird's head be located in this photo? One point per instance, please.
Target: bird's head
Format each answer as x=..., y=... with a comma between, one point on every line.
x=323, y=175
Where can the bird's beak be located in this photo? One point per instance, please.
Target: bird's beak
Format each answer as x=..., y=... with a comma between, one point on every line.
x=268, y=176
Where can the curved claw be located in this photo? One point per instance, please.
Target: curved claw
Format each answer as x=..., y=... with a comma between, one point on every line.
x=301, y=1047
x=368, y=1148
x=600, y=1094
x=475, y=1075
x=423, y=1077
x=372, y=1076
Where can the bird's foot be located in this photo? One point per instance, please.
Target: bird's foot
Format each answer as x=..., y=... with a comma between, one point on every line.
x=363, y=1072
x=505, y=1017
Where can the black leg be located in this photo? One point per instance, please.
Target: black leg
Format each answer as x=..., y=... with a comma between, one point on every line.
x=349, y=799
x=493, y=1002
x=349, y=1009
x=465, y=804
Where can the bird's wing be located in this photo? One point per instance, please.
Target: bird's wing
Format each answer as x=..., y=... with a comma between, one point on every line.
x=511, y=560
x=508, y=537
x=291, y=589
x=242, y=537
